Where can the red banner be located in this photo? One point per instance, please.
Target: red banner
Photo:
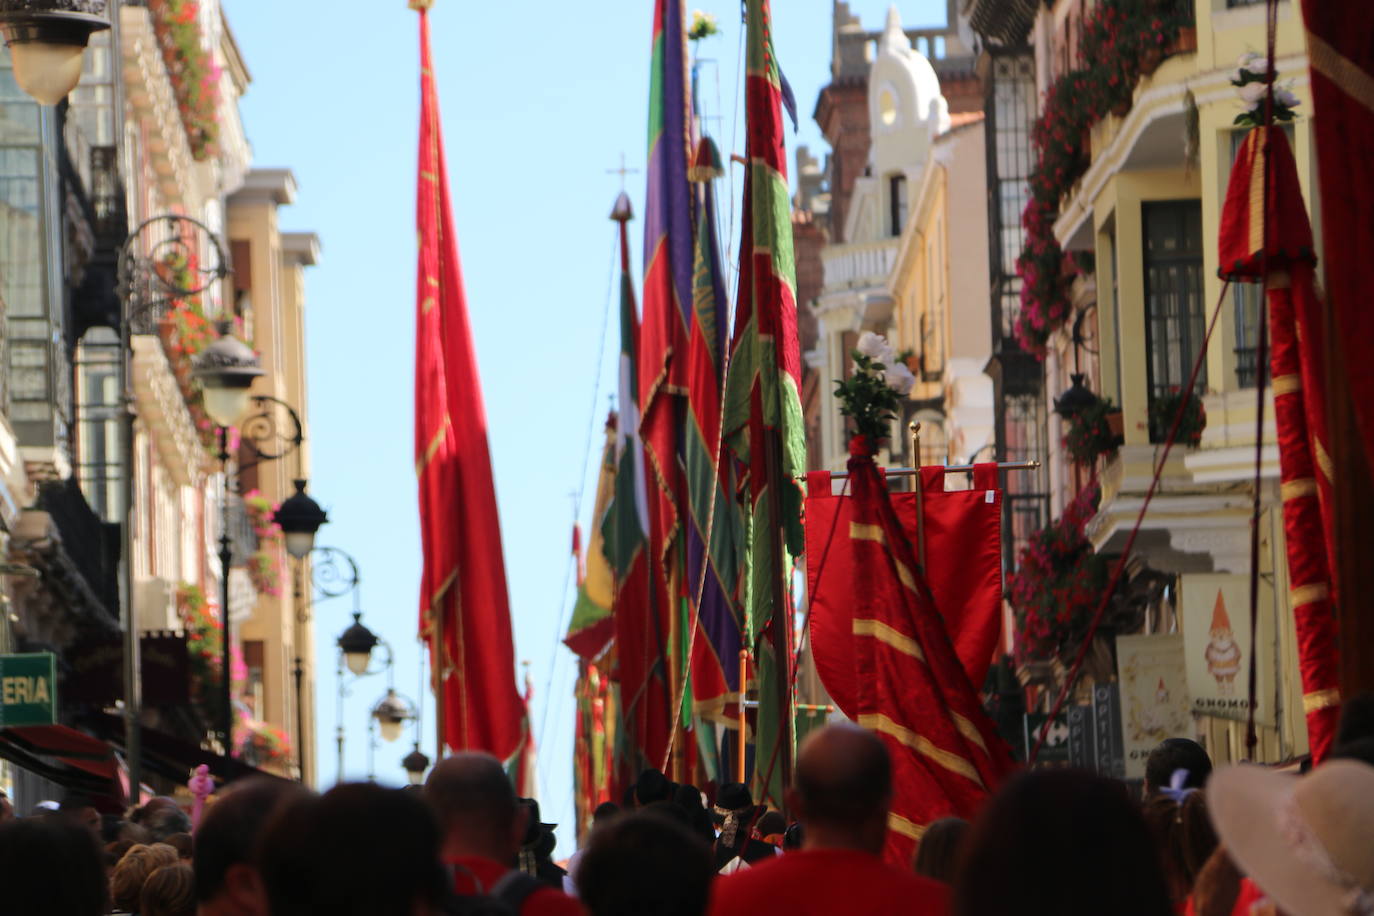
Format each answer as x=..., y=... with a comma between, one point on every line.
x=963, y=537
x=911, y=687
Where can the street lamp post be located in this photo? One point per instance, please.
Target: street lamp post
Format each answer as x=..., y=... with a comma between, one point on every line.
x=148, y=287
x=355, y=654
x=333, y=574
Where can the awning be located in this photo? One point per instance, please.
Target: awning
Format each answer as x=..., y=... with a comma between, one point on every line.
x=72, y=759
x=172, y=757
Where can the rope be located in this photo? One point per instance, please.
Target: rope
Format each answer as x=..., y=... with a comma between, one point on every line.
x=1261, y=364
x=1130, y=540
x=565, y=612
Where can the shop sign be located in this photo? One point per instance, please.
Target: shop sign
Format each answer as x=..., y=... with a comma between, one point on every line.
x=28, y=689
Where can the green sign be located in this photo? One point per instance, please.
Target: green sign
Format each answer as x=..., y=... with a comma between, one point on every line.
x=28, y=689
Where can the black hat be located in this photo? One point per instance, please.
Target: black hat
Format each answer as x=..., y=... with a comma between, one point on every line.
x=652, y=786
x=534, y=827
x=733, y=796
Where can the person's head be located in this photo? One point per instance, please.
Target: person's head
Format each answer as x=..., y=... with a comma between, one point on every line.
x=6, y=808
x=131, y=871
x=604, y=811
x=153, y=805
x=115, y=851
x=1184, y=834
x=51, y=865
x=135, y=834
x=1307, y=841
x=183, y=844
x=644, y=864
x=164, y=822
x=652, y=786
x=227, y=880
x=1172, y=755
x=82, y=810
x=169, y=891
x=1361, y=749
x=937, y=854
x=359, y=848
x=771, y=826
x=842, y=789
x=1038, y=821
x=477, y=807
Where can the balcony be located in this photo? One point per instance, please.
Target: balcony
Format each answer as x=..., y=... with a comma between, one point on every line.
x=858, y=265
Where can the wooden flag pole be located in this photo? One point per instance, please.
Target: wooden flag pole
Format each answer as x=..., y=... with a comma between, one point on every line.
x=743, y=690
x=920, y=495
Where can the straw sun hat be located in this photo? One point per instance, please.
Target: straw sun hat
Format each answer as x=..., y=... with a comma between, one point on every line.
x=1307, y=842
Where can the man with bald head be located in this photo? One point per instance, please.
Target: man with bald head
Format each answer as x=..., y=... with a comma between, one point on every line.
x=841, y=794
x=484, y=826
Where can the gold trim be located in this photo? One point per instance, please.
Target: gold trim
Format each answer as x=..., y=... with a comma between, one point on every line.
x=432, y=448
x=863, y=626
x=1323, y=460
x=1348, y=76
x=1320, y=699
x=428, y=304
x=861, y=532
x=968, y=730
x=1256, y=192
x=1309, y=594
x=898, y=824
x=1297, y=489
x=428, y=176
x=1287, y=384
x=921, y=745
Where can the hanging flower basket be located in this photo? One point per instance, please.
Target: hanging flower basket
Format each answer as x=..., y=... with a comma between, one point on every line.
x=1165, y=407
x=1089, y=433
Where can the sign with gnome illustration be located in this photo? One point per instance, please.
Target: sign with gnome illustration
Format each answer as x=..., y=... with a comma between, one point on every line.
x=1154, y=696
x=1217, y=645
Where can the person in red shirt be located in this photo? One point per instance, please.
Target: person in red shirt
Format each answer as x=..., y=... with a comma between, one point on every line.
x=483, y=827
x=841, y=795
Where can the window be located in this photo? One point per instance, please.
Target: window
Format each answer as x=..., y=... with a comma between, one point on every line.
x=1025, y=501
x=1011, y=106
x=896, y=200
x=1174, y=317
x=98, y=457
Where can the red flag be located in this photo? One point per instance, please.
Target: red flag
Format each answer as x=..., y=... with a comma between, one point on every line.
x=963, y=532
x=464, y=609
x=912, y=690
x=1286, y=265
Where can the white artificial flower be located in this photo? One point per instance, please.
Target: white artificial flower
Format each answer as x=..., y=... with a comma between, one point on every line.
x=1255, y=64
x=1252, y=94
x=899, y=378
x=1243, y=62
x=1285, y=97
x=876, y=348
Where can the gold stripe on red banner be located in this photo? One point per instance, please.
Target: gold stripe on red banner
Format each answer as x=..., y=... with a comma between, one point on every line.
x=921, y=745
x=1320, y=699
x=1309, y=594
x=904, y=826
x=1287, y=384
x=1348, y=76
x=888, y=637
x=1297, y=489
x=862, y=532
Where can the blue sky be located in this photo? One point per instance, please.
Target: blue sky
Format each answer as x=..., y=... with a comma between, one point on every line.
x=538, y=102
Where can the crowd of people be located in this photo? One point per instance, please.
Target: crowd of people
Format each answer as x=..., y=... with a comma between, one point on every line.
x=1243, y=841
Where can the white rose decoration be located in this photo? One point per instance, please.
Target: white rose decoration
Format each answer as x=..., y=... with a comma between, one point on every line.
x=876, y=348
x=1252, y=94
x=899, y=378
x=1285, y=97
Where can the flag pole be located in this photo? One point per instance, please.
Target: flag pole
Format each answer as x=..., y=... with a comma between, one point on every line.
x=781, y=619
x=919, y=487
x=743, y=682
x=956, y=468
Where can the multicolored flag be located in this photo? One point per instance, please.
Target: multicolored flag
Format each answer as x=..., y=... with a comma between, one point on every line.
x=625, y=530
x=464, y=608
x=763, y=415
x=663, y=375
x=912, y=689
x=593, y=623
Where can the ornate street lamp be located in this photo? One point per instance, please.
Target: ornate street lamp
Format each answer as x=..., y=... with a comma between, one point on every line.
x=226, y=370
x=392, y=713
x=46, y=39
x=1076, y=399
x=415, y=764
x=356, y=643
x=299, y=517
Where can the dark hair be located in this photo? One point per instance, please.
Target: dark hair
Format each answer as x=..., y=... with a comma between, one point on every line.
x=643, y=864
x=652, y=786
x=1217, y=886
x=163, y=822
x=75, y=801
x=793, y=838
x=937, y=856
x=772, y=822
x=183, y=843
x=1361, y=749
x=1038, y=821
x=1174, y=754
x=169, y=891
x=312, y=861
x=231, y=828
x=50, y=865
x=604, y=811
x=1184, y=834
x=1357, y=718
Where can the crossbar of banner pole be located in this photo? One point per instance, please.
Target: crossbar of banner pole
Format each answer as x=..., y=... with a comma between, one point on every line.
x=911, y=472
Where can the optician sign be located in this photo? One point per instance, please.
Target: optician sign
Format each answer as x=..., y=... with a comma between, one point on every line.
x=28, y=689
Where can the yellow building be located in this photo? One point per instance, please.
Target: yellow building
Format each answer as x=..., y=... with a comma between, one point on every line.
x=1147, y=212
x=268, y=279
